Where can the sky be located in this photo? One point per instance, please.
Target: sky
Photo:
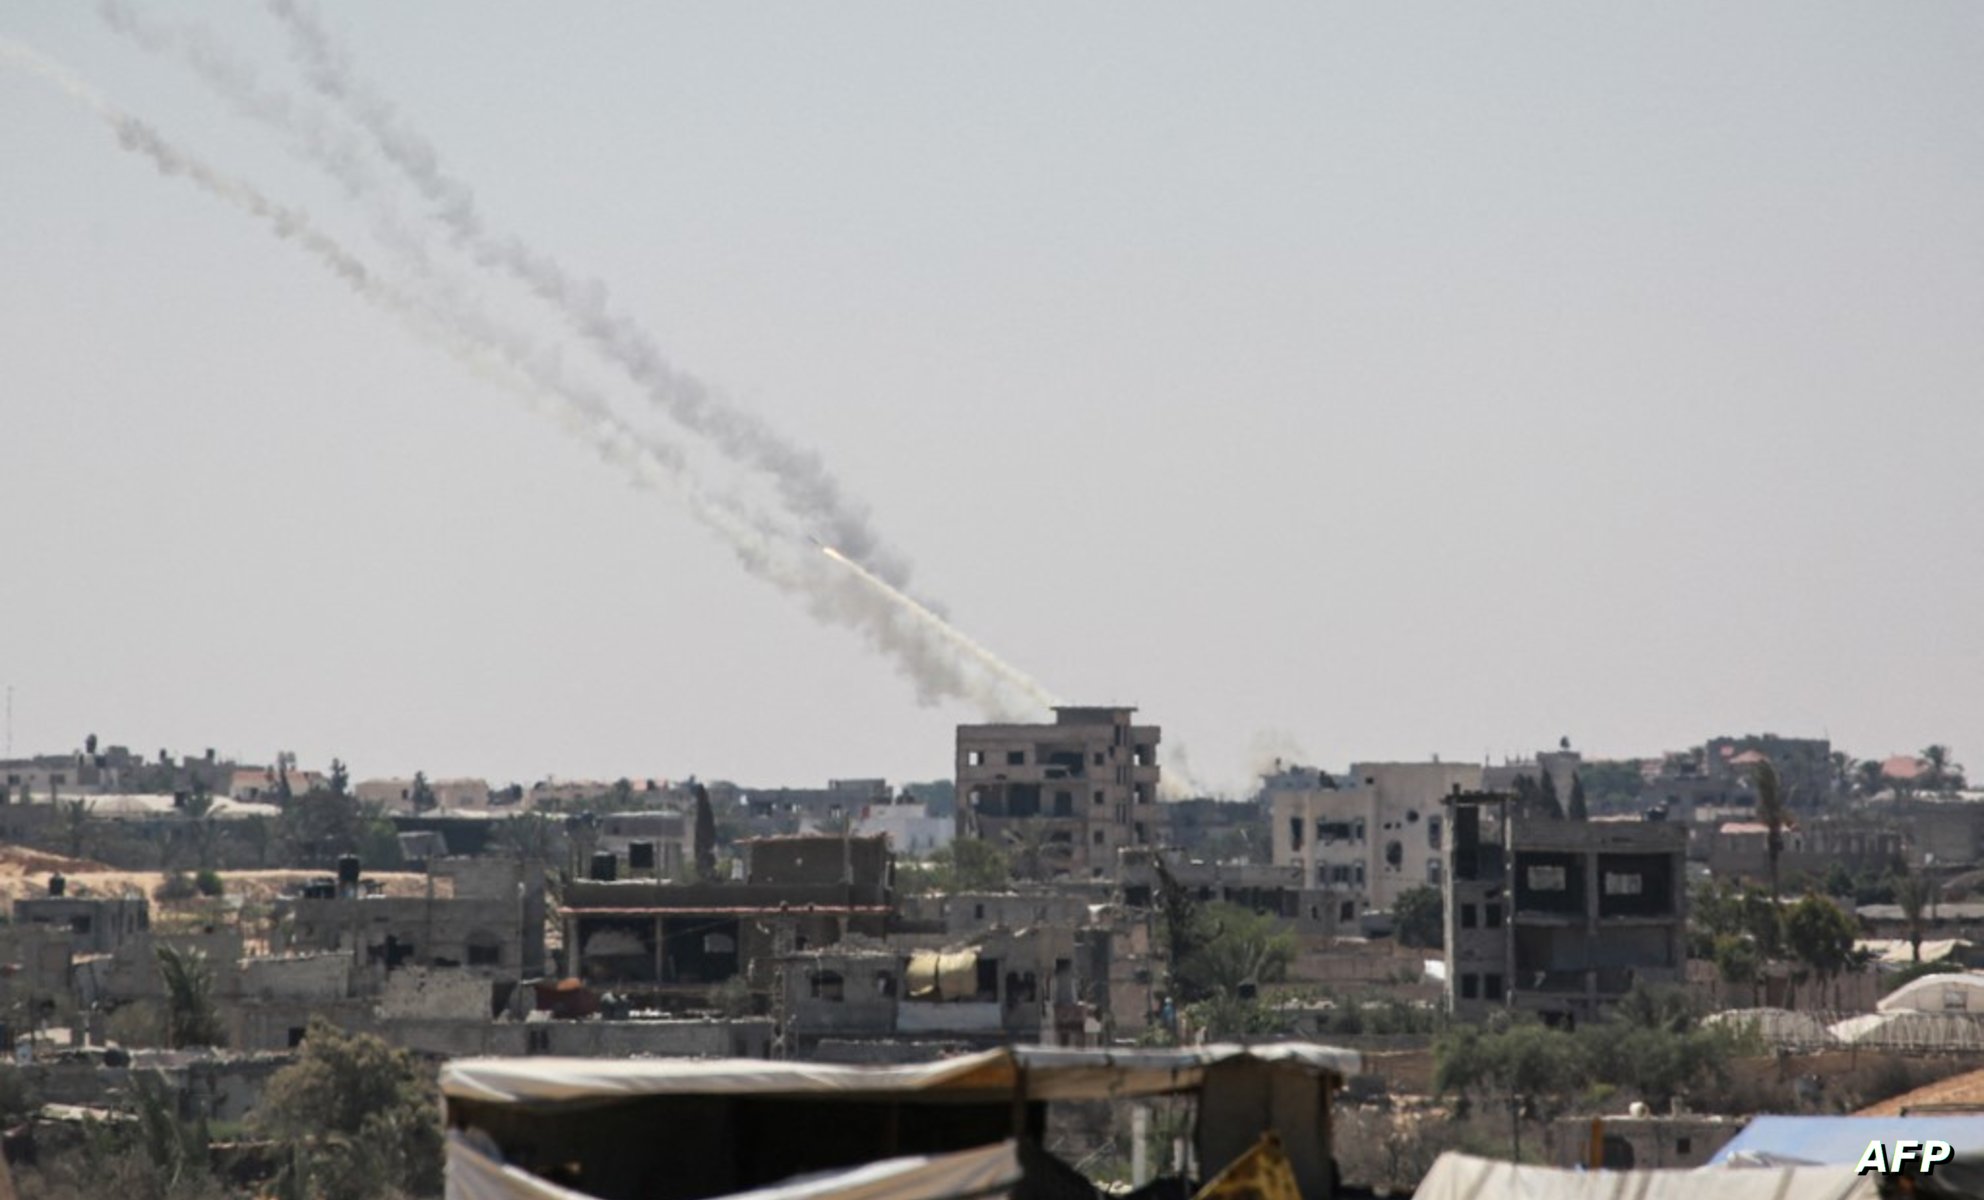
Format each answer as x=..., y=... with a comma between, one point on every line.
x=1329, y=381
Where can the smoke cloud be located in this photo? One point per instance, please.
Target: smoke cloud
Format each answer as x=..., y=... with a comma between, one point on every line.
x=939, y=660
x=803, y=480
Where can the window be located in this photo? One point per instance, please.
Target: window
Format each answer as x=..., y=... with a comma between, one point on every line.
x=1141, y=794
x=978, y=912
x=1338, y=873
x=1493, y=912
x=827, y=985
x=1142, y=835
x=1098, y=837
x=1491, y=987
x=1064, y=804
x=1546, y=879
x=1098, y=796
x=1357, y=874
x=885, y=983
x=974, y=758
x=1295, y=831
x=537, y=1041
x=80, y=923
x=1433, y=832
x=1346, y=912
x=295, y=1036
x=1468, y=916
x=1015, y=758
x=1622, y=884
x=1098, y=758
x=1433, y=871
x=485, y=953
x=1684, y=1145
x=1470, y=987
x=1394, y=855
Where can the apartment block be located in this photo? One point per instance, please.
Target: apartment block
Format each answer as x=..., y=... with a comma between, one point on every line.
x=1070, y=794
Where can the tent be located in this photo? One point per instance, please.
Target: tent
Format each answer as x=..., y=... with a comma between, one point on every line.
x=1462, y=1177
x=689, y=1129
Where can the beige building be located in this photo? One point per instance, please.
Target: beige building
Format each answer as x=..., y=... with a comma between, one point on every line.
x=1067, y=796
x=1374, y=834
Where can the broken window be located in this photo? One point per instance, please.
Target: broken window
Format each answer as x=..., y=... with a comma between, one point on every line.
x=1433, y=871
x=1623, y=885
x=1015, y=758
x=1098, y=837
x=1468, y=916
x=1140, y=833
x=1142, y=756
x=885, y=983
x=1493, y=913
x=1347, y=911
x=827, y=985
x=80, y=923
x=1433, y=832
x=1295, y=831
x=1470, y=987
x=1064, y=804
x=974, y=758
x=1394, y=855
x=485, y=952
x=1545, y=879
x=1098, y=797
x=1140, y=793
x=1492, y=987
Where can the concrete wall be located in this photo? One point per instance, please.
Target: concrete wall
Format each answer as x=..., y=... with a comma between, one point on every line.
x=421, y=992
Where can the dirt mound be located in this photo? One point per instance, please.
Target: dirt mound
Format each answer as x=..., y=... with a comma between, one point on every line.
x=20, y=860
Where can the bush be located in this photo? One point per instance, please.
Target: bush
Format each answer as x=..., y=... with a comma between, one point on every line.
x=177, y=886
x=360, y=1116
x=208, y=882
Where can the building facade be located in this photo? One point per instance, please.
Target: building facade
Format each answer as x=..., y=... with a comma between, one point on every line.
x=1370, y=836
x=1069, y=795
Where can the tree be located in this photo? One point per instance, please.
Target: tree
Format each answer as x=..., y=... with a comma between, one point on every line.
x=1872, y=777
x=1939, y=773
x=1577, y=810
x=1819, y=934
x=705, y=835
x=1843, y=767
x=340, y=781
x=1771, y=811
x=75, y=825
x=190, y=1016
x=1911, y=892
x=422, y=794
x=969, y=864
x=1417, y=919
x=359, y=1117
x=89, y=744
x=1035, y=854
x=1229, y=948
x=1546, y=796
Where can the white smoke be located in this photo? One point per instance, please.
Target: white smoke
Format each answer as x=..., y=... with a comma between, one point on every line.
x=805, y=483
x=933, y=655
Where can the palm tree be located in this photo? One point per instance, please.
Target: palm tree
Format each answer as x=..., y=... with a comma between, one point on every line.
x=1911, y=892
x=1771, y=811
x=1941, y=775
x=190, y=1016
x=1843, y=765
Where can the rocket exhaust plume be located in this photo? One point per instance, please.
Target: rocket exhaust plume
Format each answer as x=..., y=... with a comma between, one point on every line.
x=923, y=646
x=807, y=486
x=950, y=633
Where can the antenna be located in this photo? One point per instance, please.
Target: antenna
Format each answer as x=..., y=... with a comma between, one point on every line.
x=10, y=720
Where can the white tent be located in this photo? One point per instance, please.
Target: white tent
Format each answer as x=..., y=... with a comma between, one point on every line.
x=990, y=1173
x=1460, y=1177
x=1948, y=992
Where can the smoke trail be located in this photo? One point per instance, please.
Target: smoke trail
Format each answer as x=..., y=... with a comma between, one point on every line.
x=802, y=479
x=1012, y=674
x=924, y=649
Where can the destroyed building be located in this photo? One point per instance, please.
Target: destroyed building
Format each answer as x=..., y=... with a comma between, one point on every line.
x=1069, y=795
x=1558, y=917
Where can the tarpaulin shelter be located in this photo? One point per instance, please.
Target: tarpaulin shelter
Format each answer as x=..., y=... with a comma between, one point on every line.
x=1462, y=1177
x=658, y=1129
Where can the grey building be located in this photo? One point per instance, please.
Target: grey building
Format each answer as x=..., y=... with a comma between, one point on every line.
x=1559, y=918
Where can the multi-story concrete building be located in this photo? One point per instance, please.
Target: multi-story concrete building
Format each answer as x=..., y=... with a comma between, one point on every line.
x=1369, y=836
x=1559, y=918
x=1071, y=793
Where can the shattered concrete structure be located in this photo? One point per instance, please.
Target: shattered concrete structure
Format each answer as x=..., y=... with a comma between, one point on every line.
x=1068, y=796
x=1558, y=917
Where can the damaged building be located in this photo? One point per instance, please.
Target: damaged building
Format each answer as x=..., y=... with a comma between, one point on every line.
x=1558, y=917
x=1070, y=794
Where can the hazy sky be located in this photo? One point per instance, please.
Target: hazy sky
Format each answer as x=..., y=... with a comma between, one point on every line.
x=1327, y=380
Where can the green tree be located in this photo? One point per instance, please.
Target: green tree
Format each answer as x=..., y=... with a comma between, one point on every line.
x=705, y=835
x=1417, y=919
x=1940, y=774
x=1772, y=812
x=359, y=1117
x=1819, y=935
x=1578, y=811
x=190, y=1016
x=340, y=780
x=1911, y=892
x=422, y=794
x=76, y=827
x=1546, y=797
x=1872, y=777
x=1230, y=950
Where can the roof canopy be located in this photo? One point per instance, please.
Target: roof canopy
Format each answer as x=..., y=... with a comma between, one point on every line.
x=1045, y=1073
